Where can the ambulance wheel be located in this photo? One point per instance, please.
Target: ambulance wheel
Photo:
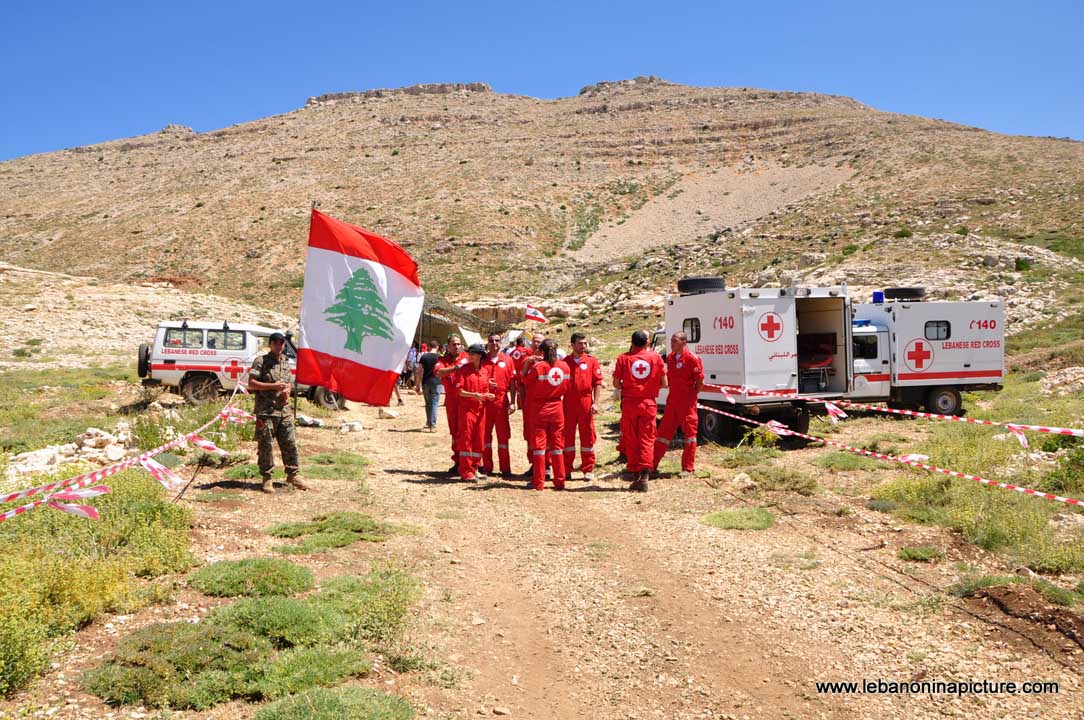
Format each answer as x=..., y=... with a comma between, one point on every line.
x=799, y=422
x=714, y=427
x=327, y=399
x=143, y=367
x=198, y=389
x=944, y=401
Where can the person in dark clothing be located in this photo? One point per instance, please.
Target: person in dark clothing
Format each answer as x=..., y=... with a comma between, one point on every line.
x=427, y=383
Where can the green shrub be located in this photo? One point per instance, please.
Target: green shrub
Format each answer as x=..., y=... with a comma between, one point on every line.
x=59, y=572
x=252, y=577
x=963, y=230
x=302, y=668
x=842, y=461
x=1034, y=377
x=1054, y=594
x=1022, y=264
x=903, y=233
x=760, y=437
x=740, y=519
x=885, y=506
x=330, y=531
x=849, y=249
x=23, y=649
x=284, y=621
x=348, y=703
x=376, y=603
x=336, y=466
x=747, y=456
x=1068, y=477
x=919, y=554
x=784, y=479
x=181, y=665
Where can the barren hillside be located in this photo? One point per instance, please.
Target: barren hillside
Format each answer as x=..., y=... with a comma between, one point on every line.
x=501, y=194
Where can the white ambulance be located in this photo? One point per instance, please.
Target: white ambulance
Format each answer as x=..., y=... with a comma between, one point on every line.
x=202, y=359
x=817, y=343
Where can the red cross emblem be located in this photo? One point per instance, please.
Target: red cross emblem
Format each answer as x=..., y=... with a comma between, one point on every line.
x=234, y=369
x=770, y=326
x=919, y=355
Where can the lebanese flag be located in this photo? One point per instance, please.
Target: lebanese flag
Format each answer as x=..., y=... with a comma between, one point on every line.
x=359, y=310
x=535, y=314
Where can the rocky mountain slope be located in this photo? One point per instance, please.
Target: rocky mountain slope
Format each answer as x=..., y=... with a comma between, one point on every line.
x=587, y=201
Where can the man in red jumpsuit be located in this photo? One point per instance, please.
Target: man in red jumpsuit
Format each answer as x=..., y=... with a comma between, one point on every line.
x=685, y=375
x=547, y=380
x=502, y=371
x=472, y=386
x=638, y=374
x=581, y=406
x=529, y=355
x=446, y=365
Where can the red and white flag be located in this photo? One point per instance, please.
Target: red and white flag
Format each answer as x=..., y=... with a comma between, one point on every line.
x=359, y=310
x=535, y=314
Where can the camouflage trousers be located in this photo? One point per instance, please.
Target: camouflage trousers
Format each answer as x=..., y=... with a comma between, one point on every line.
x=270, y=428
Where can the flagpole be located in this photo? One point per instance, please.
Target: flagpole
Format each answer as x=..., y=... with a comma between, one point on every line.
x=313, y=207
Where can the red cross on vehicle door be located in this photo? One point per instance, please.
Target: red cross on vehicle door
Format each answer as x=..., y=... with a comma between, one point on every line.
x=234, y=369
x=918, y=355
x=770, y=326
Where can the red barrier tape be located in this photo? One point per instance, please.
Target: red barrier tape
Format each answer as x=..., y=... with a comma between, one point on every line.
x=1014, y=428
x=911, y=460
x=64, y=489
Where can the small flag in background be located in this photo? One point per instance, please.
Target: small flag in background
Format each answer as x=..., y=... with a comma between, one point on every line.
x=535, y=314
x=359, y=310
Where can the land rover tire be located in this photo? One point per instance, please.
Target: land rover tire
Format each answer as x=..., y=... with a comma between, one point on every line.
x=200, y=388
x=327, y=399
x=143, y=366
x=944, y=401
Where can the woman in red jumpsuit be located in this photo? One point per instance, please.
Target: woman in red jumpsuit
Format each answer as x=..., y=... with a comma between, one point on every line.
x=546, y=381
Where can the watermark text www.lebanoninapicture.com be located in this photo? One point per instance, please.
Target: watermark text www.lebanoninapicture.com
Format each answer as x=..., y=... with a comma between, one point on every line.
x=958, y=688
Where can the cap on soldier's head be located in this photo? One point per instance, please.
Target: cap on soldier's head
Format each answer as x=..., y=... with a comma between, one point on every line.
x=476, y=349
x=276, y=337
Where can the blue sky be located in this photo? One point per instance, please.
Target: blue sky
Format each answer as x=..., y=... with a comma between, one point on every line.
x=76, y=73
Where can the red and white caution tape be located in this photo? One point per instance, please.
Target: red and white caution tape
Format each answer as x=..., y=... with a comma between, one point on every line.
x=913, y=460
x=834, y=412
x=162, y=474
x=79, y=487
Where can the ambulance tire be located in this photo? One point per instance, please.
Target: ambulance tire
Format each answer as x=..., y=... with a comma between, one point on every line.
x=798, y=422
x=944, y=401
x=714, y=428
x=327, y=399
x=200, y=388
x=143, y=367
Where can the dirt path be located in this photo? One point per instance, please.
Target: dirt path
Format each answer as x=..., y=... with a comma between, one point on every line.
x=599, y=603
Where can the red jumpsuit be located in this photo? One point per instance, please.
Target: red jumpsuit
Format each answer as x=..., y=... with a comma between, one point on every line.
x=546, y=384
x=586, y=376
x=503, y=370
x=641, y=372
x=451, y=407
x=684, y=372
x=471, y=420
x=524, y=400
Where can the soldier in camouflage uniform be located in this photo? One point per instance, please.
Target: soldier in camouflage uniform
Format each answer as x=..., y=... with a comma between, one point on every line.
x=270, y=381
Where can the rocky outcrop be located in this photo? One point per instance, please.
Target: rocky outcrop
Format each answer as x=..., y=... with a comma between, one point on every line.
x=94, y=446
x=423, y=89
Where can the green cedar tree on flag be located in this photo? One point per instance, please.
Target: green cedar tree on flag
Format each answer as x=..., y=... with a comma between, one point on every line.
x=359, y=311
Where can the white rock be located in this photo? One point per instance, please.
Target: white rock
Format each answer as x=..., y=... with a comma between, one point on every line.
x=349, y=427
x=385, y=414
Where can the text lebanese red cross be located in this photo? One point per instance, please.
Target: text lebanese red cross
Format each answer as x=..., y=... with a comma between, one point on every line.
x=233, y=369
x=919, y=355
x=771, y=327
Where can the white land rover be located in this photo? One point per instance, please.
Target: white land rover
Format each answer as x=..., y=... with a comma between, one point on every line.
x=202, y=359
